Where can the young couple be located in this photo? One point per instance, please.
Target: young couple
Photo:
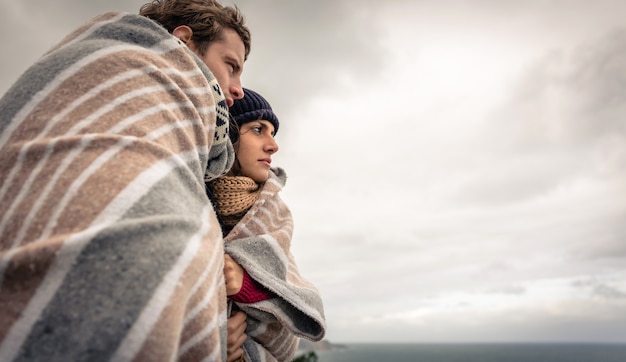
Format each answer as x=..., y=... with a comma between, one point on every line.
x=110, y=248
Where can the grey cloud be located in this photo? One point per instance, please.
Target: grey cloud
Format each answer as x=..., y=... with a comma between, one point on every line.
x=572, y=97
x=516, y=179
x=497, y=267
x=608, y=292
x=605, y=241
x=584, y=283
x=599, y=289
x=563, y=121
x=507, y=290
x=309, y=48
x=29, y=28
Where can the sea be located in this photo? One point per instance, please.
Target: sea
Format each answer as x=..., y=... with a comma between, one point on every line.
x=501, y=352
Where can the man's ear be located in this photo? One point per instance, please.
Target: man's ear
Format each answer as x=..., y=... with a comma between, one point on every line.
x=183, y=32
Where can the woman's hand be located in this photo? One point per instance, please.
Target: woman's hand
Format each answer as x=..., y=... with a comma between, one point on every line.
x=233, y=275
x=236, y=326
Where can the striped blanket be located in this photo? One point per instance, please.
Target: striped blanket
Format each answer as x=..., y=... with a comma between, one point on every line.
x=109, y=246
x=261, y=244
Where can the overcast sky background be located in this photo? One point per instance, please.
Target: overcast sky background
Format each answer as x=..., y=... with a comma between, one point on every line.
x=457, y=169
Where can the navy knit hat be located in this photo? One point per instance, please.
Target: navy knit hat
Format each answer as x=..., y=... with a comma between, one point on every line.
x=253, y=107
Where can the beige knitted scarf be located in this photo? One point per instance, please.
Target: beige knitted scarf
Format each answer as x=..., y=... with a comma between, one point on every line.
x=234, y=196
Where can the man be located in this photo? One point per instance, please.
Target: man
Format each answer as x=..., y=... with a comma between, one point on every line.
x=109, y=247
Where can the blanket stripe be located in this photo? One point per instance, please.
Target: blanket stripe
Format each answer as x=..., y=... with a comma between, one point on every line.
x=38, y=80
x=261, y=244
x=109, y=247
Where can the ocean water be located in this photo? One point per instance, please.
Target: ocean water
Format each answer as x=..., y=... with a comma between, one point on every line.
x=476, y=353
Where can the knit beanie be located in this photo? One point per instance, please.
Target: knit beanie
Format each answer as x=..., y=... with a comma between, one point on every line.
x=253, y=107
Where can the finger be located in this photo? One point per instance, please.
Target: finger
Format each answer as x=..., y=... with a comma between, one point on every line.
x=241, y=329
x=237, y=345
x=239, y=315
x=232, y=286
x=236, y=322
x=234, y=355
x=228, y=264
x=235, y=334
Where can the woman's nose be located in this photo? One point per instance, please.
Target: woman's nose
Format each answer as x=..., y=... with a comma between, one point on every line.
x=272, y=146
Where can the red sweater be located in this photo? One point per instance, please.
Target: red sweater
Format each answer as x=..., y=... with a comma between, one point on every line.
x=251, y=291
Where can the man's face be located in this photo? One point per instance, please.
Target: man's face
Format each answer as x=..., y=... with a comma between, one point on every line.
x=225, y=58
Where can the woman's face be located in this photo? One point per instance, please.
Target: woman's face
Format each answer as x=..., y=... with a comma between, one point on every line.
x=255, y=149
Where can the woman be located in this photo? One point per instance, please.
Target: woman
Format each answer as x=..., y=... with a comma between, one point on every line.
x=262, y=278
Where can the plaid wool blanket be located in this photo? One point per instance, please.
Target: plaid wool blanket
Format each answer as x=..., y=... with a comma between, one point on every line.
x=261, y=244
x=109, y=246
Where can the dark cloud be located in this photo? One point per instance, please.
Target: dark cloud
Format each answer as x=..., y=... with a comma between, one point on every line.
x=585, y=89
x=562, y=122
x=599, y=289
x=304, y=49
x=605, y=291
x=516, y=179
x=29, y=28
x=507, y=290
x=570, y=97
x=604, y=242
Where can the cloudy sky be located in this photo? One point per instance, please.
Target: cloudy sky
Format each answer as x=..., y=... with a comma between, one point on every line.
x=457, y=169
